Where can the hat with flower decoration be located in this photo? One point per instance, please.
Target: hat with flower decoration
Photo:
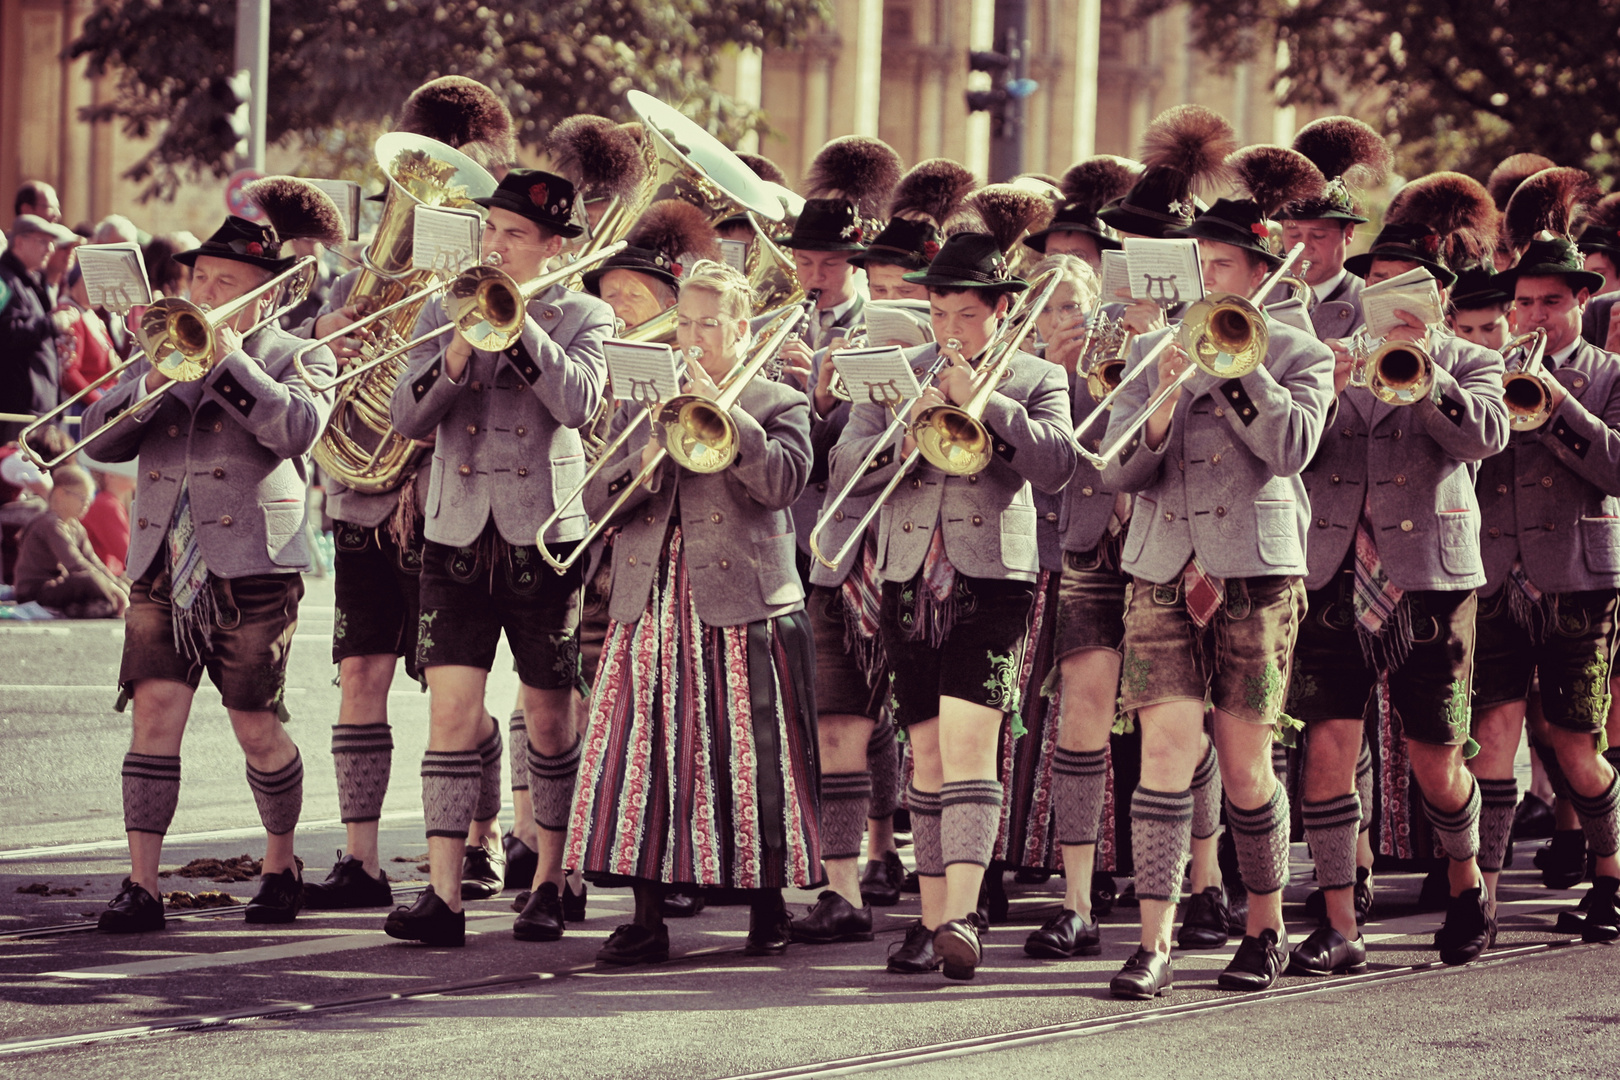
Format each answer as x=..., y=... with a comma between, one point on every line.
x=544, y=198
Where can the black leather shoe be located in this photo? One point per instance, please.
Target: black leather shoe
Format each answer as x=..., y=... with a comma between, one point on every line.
x=522, y=862
x=681, y=902
x=1562, y=860
x=957, y=944
x=281, y=897
x=1326, y=952
x=573, y=903
x=767, y=929
x=1030, y=875
x=429, y=921
x=1469, y=928
x=993, y=903
x=348, y=886
x=521, y=901
x=1104, y=891
x=1204, y=926
x=908, y=884
x=633, y=944
x=1533, y=819
x=1602, y=921
x=1364, y=895
x=1573, y=920
x=1065, y=935
x=542, y=918
x=915, y=955
x=833, y=919
x=1145, y=976
x=1258, y=963
x=1435, y=892
x=880, y=882
x=132, y=911
x=1237, y=908
x=1127, y=897
x=481, y=873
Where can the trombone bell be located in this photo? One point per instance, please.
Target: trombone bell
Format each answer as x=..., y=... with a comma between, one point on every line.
x=697, y=435
x=1225, y=336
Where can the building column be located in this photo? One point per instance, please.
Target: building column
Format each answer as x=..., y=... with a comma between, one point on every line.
x=820, y=51
x=1087, y=60
x=856, y=90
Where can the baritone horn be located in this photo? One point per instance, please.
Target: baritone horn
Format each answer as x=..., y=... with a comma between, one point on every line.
x=1524, y=387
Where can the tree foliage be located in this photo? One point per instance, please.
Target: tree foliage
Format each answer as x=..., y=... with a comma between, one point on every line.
x=1457, y=84
x=348, y=65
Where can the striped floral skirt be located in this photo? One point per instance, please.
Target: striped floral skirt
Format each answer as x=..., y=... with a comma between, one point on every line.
x=699, y=763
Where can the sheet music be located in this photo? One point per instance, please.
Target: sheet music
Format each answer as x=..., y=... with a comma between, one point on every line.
x=735, y=254
x=115, y=276
x=445, y=239
x=1414, y=291
x=1116, y=276
x=346, y=193
x=638, y=371
x=1164, y=271
x=879, y=374
x=902, y=322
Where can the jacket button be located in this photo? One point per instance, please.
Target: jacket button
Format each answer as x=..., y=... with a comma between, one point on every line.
x=1321, y=523
x=521, y=431
x=1219, y=411
x=905, y=526
x=242, y=402
x=1051, y=517
x=154, y=475
x=977, y=520
x=523, y=471
x=632, y=560
x=141, y=523
x=1546, y=481
x=1549, y=526
x=476, y=385
x=1406, y=526
x=1336, y=478
x=174, y=429
x=1220, y=511
x=821, y=487
x=1501, y=489
x=1493, y=532
x=649, y=519
x=916, y=481
x=838, y=515
x=465, y=470
x=226, y=521
x=1001, y=447
x=1215, y=459
x=219, y=474
x=219, y=426
x=1397, y=434
x=472, y=429
x=1579, y=383
x=717, y=517
x=1169, y=515
x=725, y=564
x=1400, y=480
x=974, y=479
x=1086, y=492
x=1347, y=433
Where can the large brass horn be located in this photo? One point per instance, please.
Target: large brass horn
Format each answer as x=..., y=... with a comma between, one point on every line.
x=487, y=305
x=179, y=339
x=1397, y=372
x=1524, y=386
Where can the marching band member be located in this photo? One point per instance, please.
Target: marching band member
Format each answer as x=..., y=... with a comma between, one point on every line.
x=1600, y=244
x=958, y=560
x=217, y=550
x=1478, y=309
x=505, y=445
x=1216, y=549
x=1393, y=565
x=699, y=764
x=1075, y=228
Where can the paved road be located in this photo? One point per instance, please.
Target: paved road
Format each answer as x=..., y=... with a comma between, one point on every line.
x=506, y=1008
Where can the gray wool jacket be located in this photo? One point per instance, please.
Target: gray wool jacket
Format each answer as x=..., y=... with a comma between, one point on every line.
x=508, y=447
x=1552, y=498
x=1419, y=460
x=238, y=437
x=1224, y=484
x=989, y=519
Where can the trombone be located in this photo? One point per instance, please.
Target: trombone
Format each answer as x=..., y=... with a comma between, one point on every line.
x=179, y=339
x=1396, y=372
x=1524, y=389
x=1225, y=335
x=694, y=430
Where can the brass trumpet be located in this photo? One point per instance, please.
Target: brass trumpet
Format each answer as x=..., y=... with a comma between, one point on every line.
x=179, y=340
x=1524, y=388
x=1397, y=372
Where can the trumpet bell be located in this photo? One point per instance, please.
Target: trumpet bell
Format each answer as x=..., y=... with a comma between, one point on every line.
x=697, y=434
x=1225, y=336
x=487, y=307
x=1402, y=374
x=952, y=440
x=1528, y=404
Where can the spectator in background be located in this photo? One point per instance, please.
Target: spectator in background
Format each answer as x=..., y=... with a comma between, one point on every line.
x=23, y=489
x=107, y=520
x=57, y=566
x=30, y=373
x=84, y=349
x=168, y=277
x=38, y=198
x=116, y=229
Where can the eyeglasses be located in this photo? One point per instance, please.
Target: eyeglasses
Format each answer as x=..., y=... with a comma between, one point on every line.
x=1069, y=311
x=706, y=324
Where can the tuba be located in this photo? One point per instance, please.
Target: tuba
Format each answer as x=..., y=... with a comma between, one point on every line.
x=360, y=447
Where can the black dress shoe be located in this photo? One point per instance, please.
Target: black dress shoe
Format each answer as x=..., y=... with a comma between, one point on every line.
x=1127, y=896
x=880, y=882
x=1364, y=895
x=542, y=918
x=833, y=919
x=480, y=873
x=1562, y=860
x=1104, y=892
x=1030, y=875
x=429, y=921
x=1065, y=935
x=767, y=929
x=1326, y=952
x=1533, y=819
x=1573, y=920
x=993, y=904
x=348, y=886
x=633, y=944
x=1204, y=926
x=681, y=902
x=908, y=884
x=1258, y=963
x=1145, y=976
x=1602, y=922
x=1237, y=907
x=132, y=911
x=522, y=862
x=1469, y=928
x=1435, y=892
x=915, y=955
x=521, y=901
x=281, y=897
x=957, y=944
x=573, y=903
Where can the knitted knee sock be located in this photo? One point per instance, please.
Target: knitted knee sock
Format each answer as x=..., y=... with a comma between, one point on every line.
x=280, y=795
x=1457, y=830
x=1279, y=762
x=844, y=801
x=151, y=792
x=970, y=810
x=1600, y=818
x=883, y=762
x=551, y=785
x=925, y=839
x=1261, y=838
x=1206, y=792
x=489, y=780
x=1364, y=782
x=363, y=758
x=517, y=750
x=451, y=781
x=1079, y=783
x=1497, y=801
x=1161, y=836
x=1330, y=829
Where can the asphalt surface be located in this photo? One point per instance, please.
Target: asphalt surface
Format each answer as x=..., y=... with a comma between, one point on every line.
x=331, y=996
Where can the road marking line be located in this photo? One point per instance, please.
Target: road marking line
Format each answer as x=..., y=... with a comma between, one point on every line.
x=119, y=844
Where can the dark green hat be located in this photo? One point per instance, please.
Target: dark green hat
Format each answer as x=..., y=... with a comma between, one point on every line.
x=903, y=242
x=1553, y=256
x=1074, y=217
x=1238, y=222
x=969, y=261
x=544, y=198
x=244, y=241
x=826, y=225
x=1479, y=287
x=1408, y=242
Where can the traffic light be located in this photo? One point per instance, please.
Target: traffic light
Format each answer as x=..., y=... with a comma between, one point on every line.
x=1005, y=86
x=229, y=97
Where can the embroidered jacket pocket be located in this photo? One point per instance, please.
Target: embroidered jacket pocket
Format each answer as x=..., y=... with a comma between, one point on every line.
x=1277, y=532
x=1459, y=541
x=1600, y=540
